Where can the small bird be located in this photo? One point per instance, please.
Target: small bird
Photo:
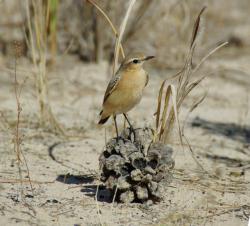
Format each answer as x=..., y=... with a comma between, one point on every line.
x=125, y=89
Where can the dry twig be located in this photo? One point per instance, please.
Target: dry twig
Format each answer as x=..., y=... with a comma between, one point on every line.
x=17, y=136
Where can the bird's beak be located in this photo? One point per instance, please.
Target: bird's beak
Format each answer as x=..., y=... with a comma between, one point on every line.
x=149, y=57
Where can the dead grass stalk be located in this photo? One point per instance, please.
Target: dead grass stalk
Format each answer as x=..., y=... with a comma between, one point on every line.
x=37, y=22
x=168, y=107
x=17, y=136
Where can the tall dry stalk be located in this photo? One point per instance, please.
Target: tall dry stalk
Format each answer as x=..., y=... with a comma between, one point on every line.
x=20, y=157
x=121, y=33
x=17, y=138
x=168, y=107
x=52, y=7
x=109, y=22
x=37, y=12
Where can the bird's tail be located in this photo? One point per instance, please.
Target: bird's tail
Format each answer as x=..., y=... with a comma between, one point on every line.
x=103, y=120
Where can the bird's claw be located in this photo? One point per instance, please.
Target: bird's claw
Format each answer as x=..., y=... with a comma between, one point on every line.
x=132, y=131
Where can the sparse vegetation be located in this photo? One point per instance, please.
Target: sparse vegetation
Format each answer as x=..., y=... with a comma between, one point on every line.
x=21, y=161
x=41, y=16
x=53, y=85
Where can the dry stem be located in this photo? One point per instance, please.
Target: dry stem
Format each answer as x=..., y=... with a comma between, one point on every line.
x=17, y=137
x=37, y=43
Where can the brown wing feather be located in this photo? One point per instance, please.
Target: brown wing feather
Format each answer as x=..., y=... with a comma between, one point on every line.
x=112, y=85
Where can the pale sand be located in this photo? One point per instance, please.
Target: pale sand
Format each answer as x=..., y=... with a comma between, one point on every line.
x=76, y=91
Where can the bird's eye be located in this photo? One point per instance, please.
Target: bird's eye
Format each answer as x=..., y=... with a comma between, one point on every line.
x=136, y=61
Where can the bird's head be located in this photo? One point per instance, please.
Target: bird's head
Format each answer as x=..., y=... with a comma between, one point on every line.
x=135, y=61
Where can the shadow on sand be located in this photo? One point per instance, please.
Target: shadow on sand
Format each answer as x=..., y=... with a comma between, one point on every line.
x=229, y=130
x=75, y=179
x=90, y=190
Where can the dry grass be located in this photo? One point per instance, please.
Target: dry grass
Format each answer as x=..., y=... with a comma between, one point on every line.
x=169, y=104
x=121, y=33
x=169, y=107
x=37, y=40
x=171, y=97
x=154, y=26
x=20, y=157
x=110, y=23
x=52, y=7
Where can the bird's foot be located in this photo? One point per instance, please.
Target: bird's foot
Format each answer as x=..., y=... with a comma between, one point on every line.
x=132, y=131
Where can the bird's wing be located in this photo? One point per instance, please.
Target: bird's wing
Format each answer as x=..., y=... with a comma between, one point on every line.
x=112, y=85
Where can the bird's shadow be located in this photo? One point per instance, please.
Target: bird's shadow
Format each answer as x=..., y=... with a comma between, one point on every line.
x=75, y=179
x=229, y=130
x=101, y=193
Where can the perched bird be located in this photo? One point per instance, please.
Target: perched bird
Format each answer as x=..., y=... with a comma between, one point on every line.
x=125, y=88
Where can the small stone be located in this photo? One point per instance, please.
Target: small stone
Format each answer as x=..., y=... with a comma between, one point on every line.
x=157, y=190
x=161, y=189
x=136, y=175
x=114, y=162
x=127, y=149
x=149, y=170
x=123, y=184
x=149, y=202
x=237, y=172
x=152, y=186
x=141, y=193
x=147, y=178
x=158, y=177
x=127, y=197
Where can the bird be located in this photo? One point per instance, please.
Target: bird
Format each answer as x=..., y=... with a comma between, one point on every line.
x=125, y=89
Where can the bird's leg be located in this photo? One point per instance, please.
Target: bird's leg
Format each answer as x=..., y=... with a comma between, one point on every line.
x=130, y=125
x=116, y=128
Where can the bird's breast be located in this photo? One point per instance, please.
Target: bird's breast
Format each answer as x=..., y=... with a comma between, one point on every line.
x=133, y=81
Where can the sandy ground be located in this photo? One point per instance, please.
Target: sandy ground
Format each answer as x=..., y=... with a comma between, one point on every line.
x=64, y=170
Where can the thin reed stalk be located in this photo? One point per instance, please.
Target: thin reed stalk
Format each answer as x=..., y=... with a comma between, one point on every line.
x=37, y=24
x=121, y=33
x=109, y=21
x=169, y=107
x=17, y=136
